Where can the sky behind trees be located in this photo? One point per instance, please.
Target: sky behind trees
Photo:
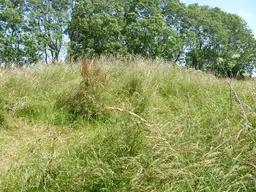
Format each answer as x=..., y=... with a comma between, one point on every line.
x=245, y=8
x=213, y=40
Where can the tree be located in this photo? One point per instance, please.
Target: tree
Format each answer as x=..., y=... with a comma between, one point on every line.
x=96, y=27
x=120, y=27
x=220, y=42
x=240, y=49
x=48, y=20
x=175, y=14
x=17, y=46
x=212, y=39
x=145, y=30
x=32, y=30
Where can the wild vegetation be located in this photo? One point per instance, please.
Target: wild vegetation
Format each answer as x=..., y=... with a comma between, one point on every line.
x=212, y=40
x=129, y=119
x=126, y=124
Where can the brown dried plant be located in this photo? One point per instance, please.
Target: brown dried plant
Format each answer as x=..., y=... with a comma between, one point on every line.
x=91, y=69
x=85, y=67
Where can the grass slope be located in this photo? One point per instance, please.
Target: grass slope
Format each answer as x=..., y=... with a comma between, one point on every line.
x=58, y=134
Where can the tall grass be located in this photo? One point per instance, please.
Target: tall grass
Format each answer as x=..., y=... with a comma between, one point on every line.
x=2, y=117
x=61, y=135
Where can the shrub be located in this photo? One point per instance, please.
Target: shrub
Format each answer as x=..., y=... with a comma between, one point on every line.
x=87, y=100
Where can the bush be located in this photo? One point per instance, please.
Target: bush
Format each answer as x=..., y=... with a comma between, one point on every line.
x=86, y=101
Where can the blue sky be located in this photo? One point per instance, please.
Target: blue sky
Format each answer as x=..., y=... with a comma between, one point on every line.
x=245, y=8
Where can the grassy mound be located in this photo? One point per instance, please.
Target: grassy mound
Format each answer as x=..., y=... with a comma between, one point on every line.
x=136, y=125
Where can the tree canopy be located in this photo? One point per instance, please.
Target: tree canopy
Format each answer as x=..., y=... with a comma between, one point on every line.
x=32, y=30
x=212, y=40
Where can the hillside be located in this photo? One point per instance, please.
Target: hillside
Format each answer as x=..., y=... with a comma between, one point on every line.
x=130, y=125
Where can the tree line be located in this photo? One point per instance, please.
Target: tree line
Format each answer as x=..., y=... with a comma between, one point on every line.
x=211, y=39
x=32, y=30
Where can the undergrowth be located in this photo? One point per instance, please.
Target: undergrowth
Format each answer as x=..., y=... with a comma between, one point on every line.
x=125, y=124
x=2, y=117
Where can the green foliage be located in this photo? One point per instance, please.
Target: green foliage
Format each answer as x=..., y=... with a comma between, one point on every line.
x=17, y=45
x=194, y=137
x=116, y=147
x=2, y=117
x=84, y=102
x=212, y=39
x=146, y=32
x=134, y=27
x=219, y=42
x=18, y=90
x=32, y=30
x=133, y=91
x=48, y=23
x=96, y=29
